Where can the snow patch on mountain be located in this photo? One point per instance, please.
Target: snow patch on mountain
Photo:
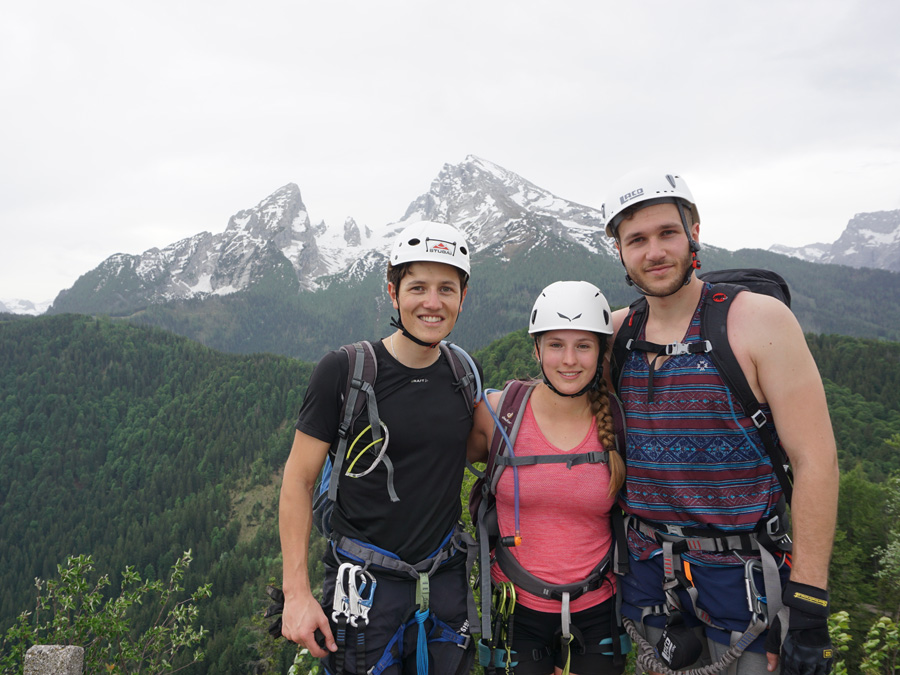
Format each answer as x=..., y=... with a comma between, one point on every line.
x=500, y=213
x=20, y=306
x=869, y=240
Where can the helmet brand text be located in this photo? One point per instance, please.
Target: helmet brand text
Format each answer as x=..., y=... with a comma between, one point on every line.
x=631, y=195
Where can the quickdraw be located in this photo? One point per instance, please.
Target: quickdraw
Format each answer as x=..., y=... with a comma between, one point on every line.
x=354, y=593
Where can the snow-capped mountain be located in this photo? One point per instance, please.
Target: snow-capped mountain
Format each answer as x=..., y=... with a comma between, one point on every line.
x=18, y=306
x=497, y=209
x=869, y=240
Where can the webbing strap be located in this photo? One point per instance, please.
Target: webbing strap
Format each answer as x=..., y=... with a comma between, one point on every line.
x=423, y=591
x=596, y=457
x=566, y=617
x=772, y=583
x=344, y=428
x=524, y=579
x=672, y=349
x=682, y=542
x=379, y=559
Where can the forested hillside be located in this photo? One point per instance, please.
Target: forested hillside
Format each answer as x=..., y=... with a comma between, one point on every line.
x=133, y=445
x=278, y=318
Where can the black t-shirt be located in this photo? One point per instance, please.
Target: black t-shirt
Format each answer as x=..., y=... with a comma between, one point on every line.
x=427, y=421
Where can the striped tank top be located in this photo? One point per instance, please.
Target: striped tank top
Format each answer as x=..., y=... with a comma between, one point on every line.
x=694, y=458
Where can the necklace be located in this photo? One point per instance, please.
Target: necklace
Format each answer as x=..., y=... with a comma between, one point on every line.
x=393, y=353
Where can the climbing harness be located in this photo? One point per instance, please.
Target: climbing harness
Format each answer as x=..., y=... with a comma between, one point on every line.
x=762, y=607
x=491, y=651
x=368, y=559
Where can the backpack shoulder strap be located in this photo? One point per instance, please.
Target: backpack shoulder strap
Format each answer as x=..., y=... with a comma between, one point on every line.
x=619, y=427
x=628, y=331
x=466, y=380
x=509, y=412
x=360, y=380
x=714, y=328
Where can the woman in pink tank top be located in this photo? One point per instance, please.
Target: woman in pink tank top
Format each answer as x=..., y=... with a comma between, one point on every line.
x=552, y=496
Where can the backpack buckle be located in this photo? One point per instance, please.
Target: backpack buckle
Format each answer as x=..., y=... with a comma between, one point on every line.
x=677, y=349
x=759, y=419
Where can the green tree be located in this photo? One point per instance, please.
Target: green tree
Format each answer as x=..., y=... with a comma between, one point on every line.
x=70, y=610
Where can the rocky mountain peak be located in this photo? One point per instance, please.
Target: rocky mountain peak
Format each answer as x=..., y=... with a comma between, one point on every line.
x=869, y=240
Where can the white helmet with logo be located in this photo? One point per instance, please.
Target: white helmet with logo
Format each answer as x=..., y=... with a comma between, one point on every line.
x=571, y=305
x=426, y=241
x=647, y=187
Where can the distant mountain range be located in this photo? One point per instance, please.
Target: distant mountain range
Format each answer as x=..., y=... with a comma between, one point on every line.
x=16, y=306
x=496, y=208
x=870, y=240
x=274, y=281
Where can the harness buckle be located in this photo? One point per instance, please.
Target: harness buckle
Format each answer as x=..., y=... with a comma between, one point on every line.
x=773, y=527
x=676, y=530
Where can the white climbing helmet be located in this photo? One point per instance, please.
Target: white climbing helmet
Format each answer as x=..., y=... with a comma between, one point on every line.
x=645, y=185
x=571, y=305
x=426, y=241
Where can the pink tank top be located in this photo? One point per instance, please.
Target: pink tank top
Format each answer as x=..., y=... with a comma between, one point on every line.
x=563, y=515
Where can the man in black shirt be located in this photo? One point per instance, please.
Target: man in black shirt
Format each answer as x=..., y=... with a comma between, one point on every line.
x=425, y=422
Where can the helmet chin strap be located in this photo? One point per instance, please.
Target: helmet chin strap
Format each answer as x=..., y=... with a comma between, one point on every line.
x=695, y=263
x=397, y=323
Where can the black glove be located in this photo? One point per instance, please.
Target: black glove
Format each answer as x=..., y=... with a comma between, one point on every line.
x=805, y=648
x=275, y=609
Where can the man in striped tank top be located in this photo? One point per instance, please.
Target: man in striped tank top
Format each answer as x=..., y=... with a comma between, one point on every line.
x=700, y=489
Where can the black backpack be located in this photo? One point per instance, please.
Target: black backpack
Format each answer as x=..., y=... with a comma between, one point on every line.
x=359, y=395
x=726, y=284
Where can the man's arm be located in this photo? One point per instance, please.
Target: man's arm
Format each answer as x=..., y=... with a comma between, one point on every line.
x=773, y=352
x=302, y=612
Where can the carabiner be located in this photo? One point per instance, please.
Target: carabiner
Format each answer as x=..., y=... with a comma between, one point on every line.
x=756, y=603
x=341, y=603
x=361, y=596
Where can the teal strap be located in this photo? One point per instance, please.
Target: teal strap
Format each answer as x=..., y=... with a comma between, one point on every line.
x=423, y=591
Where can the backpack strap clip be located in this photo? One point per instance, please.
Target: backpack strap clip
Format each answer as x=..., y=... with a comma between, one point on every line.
x=759, y=419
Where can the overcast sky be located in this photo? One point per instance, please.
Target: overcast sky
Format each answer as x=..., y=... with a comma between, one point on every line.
x=127, y=125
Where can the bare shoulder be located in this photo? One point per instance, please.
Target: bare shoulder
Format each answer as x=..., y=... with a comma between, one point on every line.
x=767, y=341
x=755, y=320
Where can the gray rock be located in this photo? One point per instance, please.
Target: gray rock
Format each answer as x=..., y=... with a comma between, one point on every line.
x=54, y=660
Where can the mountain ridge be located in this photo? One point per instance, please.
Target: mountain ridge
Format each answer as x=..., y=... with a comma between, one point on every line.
x=869, y=240
x=501, y=213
